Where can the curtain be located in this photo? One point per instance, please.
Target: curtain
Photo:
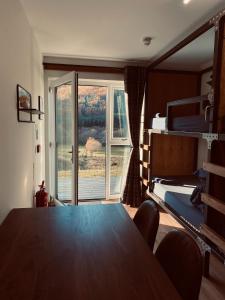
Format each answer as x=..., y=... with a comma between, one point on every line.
x=134, y=80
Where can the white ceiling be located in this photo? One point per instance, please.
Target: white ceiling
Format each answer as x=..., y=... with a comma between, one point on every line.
x=113, y=30
x=195, y=56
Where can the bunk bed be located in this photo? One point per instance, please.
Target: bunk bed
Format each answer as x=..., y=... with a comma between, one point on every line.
x=176, y=193
x=172, y=144
x=171, y=182
x=197, y=122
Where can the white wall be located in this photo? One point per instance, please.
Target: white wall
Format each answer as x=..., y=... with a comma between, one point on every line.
x=20, y=63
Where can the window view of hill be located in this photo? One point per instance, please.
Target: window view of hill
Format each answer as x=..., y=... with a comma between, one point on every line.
x=91, y=114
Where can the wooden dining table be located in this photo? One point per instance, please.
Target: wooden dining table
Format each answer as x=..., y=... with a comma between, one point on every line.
x=78, y=252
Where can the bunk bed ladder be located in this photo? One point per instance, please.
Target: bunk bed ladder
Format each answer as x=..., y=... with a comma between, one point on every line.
x=216, y=204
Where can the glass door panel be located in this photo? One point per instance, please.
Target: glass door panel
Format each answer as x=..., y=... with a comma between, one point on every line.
x=120, y=156
x=120, y=148
x=92, y=142
x=64, y=91
x=120, y=126
x=63, y=121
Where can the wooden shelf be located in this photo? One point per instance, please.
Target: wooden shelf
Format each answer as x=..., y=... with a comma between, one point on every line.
x=213, y=202
x=217, y=239
x=145, y=147
x=144, y=181
x=32, y=111
x=144, y=164
x=214, y=169
x=177, y=133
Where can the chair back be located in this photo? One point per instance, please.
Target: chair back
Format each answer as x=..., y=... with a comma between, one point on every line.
x=147, y=221
x=181, y=259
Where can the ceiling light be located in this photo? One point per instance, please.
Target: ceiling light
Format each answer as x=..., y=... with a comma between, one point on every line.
x=147, y=40
x=186, y=1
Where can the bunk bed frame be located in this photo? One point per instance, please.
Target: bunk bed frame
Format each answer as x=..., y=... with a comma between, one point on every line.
x=209, y=236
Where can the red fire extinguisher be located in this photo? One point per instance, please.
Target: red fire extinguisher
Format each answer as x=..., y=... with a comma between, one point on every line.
x=41, y=196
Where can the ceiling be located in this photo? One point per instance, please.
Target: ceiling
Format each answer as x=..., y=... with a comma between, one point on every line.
x=196, y=56
x=113, y=30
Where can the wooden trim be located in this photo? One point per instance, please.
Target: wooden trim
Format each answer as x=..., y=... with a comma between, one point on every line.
x=167, y=71
x=185, y=72
x=213, y=202
x=214, y=169
x=199, y=80
x=145, y=181
x=82, y=68
x=217, y=68
x=217, y=239
x=145, y=147
x=182, y=44
x=144, y=164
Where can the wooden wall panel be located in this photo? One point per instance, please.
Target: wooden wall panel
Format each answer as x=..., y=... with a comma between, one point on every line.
x=221, y=104
x=173, y=155
x=215, y=219
x=165, y=86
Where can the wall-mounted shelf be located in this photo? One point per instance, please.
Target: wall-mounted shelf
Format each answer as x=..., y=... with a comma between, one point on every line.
x=24, y=105
x=32, y=111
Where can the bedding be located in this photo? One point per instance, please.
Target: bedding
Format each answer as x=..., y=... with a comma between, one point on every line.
x=176, y=192
x=194, y=123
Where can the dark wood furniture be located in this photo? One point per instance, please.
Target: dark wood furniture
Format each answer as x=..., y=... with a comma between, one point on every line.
x=172, y=152
x=167, y=153
x=185, y=264
x=147, y=221
x=78, y=252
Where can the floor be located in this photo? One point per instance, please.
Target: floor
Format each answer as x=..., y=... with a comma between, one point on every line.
x=212, y=288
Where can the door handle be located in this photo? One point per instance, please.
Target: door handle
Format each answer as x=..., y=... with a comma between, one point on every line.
x=72, y=154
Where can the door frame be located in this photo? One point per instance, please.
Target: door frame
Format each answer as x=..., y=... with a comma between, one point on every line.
x=110, y=141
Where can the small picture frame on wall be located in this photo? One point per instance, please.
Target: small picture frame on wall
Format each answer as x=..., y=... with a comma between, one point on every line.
x=23, y=98
x=40, y=107
x=24, y=104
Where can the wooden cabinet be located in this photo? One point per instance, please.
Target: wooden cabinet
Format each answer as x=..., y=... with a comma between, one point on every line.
x=219, y=79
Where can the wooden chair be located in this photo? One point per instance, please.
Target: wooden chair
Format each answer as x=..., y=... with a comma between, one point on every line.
x=181, y=259
x=147, y=221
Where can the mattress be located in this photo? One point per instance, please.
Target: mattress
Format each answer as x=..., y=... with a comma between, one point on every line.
x=176, y=196
x=194, y=123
